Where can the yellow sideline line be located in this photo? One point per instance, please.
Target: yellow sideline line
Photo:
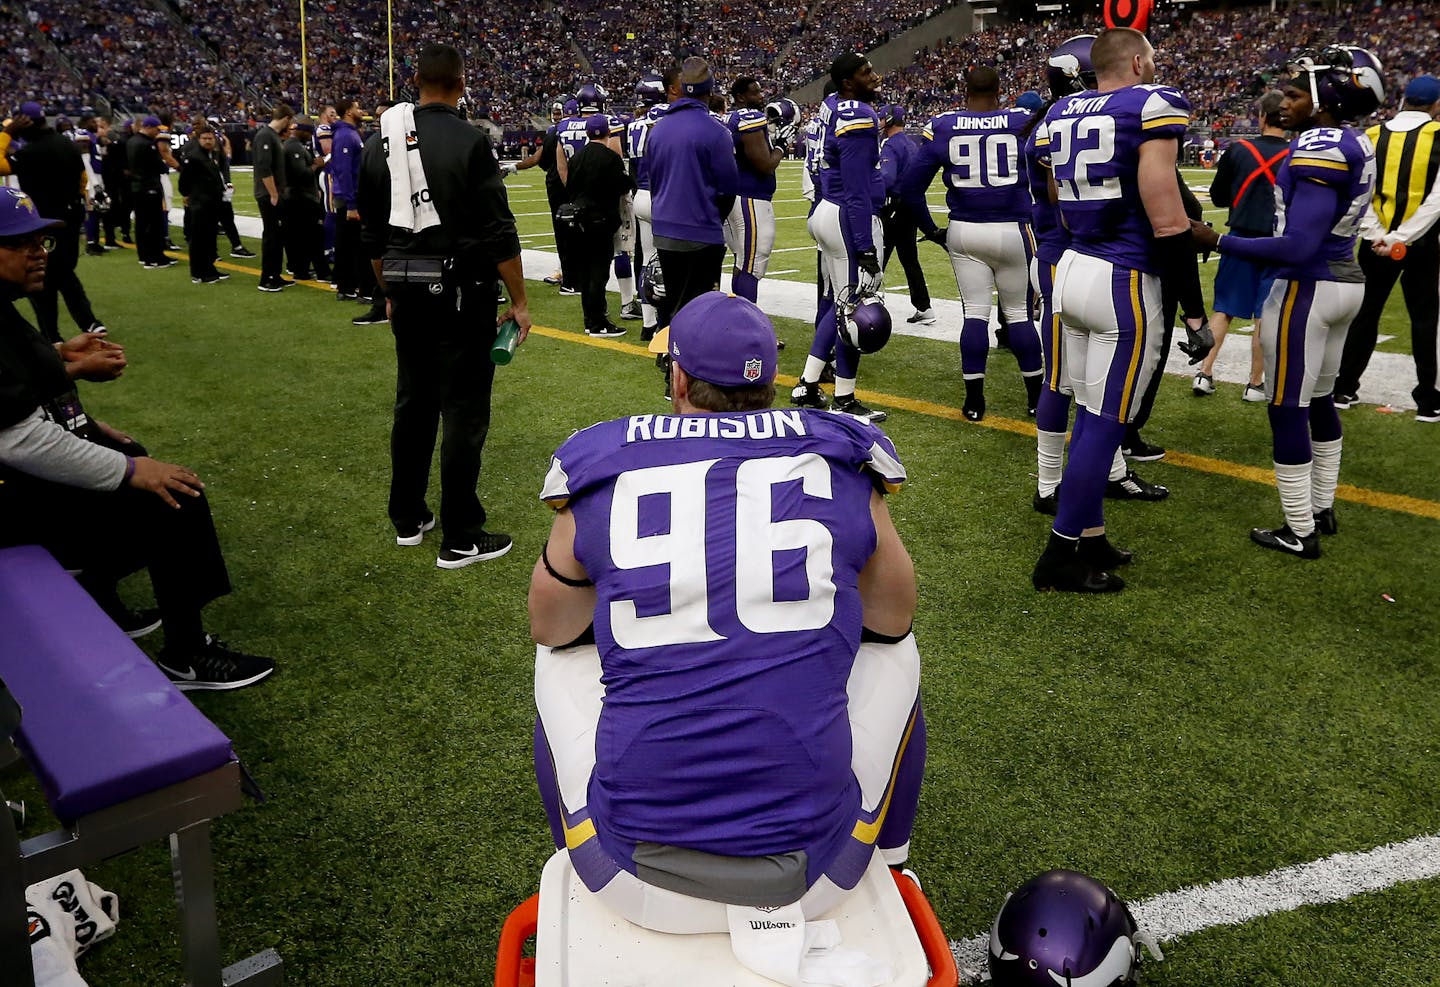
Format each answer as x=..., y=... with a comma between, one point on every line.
x=1202, y=464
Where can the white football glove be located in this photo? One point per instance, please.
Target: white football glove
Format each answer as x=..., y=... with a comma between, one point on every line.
x=869, y=275
x=508, y=168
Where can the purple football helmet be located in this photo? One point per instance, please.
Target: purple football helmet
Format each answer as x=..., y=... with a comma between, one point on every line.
x=864, y=321
x=591, y=97
x=1064, y=929
x=783, y=111
x=1346, y=80
x=650, y=90
x=1068, y=69
x=652, y=282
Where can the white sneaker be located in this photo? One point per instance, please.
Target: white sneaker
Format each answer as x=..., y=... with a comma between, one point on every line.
x=1254, y=393
x=1203, y=385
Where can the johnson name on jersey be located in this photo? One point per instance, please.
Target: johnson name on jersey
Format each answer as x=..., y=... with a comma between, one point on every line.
x=979, y=156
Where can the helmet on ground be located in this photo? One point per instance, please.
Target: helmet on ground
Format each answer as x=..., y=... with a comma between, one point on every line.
x=1068, y=69
x=650, y=90
x=652, y=282
x=591, y=97
x=782, y=111
x=1064, y=928
x=1346, y=80
x=864, y=320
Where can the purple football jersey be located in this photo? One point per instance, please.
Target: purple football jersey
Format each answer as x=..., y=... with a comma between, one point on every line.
x=979, y=156
x=753, y=185
x=637, y=133
x=725, y=550
x=849, y=173
x=1095, y=143
x=1343, y=159
x=1051, y=237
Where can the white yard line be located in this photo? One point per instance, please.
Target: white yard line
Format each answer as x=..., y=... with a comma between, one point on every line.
x=1176, y=914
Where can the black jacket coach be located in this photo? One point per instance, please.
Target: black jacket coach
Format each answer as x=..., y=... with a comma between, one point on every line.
x=50, y=171
x=201, y=182
x=146, y=165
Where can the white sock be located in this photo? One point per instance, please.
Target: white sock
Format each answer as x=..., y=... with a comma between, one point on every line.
x=1118, y=468
x=1293, y=479
x=650, y=312
x=627, y=290
x=1325, y=473
x=1050, y=454
x=814, y=367
x=844, y=387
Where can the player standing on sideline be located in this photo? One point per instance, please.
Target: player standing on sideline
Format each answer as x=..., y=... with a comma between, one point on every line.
x=896, y=151
x=344, y=171
x=1112, y=159
x=1324, y=189
x=989, y=233
x=845, y=224
x=1245, y=183
x=267, y=155
x=750, y=227
x=1404, y=211
x=655, y=95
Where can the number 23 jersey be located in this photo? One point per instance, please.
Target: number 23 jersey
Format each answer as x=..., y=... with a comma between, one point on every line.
x=725, y=550
x=1093, y=141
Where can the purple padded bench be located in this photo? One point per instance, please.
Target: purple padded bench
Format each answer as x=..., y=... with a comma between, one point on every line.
x=123, y=757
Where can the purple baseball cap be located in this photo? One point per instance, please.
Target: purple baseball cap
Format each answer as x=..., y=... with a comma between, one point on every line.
x=724, y=340
x=150, y=122
x=894, y=115
x=33, y=110
x=19, y=216
x=597, y=126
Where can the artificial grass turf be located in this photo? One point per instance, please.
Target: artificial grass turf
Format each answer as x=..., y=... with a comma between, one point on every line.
x=1231, y=712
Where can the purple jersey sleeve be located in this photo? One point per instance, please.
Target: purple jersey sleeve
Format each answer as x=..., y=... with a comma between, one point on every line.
x=1051, y=237
x=856, y=131
x=929, y=157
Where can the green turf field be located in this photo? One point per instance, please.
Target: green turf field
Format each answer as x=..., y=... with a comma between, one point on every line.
x=1232, y=712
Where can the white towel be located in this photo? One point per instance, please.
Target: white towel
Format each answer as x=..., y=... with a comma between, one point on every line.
x=410, y=205
x=779, y=944
x=67, y=915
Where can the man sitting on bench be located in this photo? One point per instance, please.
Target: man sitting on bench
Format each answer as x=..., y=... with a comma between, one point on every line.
x=728, y=687
x=90, y=494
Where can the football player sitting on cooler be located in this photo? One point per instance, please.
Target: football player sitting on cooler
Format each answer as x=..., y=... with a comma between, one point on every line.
x=1324, y=188
x=727, y=683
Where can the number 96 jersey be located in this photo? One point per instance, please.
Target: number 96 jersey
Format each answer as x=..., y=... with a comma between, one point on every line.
x=1093, y=142
x=725, y=550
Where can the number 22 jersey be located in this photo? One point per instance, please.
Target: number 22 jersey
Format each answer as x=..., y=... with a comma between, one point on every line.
x=725, y=550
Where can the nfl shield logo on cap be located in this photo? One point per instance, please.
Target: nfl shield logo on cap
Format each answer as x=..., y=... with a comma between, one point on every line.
x=753, y=369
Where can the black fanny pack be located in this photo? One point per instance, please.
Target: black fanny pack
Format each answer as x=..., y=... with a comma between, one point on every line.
x=410, y=272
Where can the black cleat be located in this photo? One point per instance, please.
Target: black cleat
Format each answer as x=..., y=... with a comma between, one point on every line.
x=1032, y=393
x=1097, y=550
x=1072, y=574
x=827, y=374
x=1046, y=504
x=1282, y=539
x=647, y=333
x=1138, y=450
x=1325, y=522
x=1131, y=487
x=808, y=395
x=1002, y=337
x=851, y=405
x=974, y=406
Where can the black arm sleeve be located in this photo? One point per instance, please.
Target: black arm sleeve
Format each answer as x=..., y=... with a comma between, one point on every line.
x=373, y=199
x=1180, y=273
x=497, y=223
x=1224, y=178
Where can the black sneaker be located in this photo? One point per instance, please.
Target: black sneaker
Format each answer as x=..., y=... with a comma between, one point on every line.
x=850, y=405
x=1325, y=522
x=1140, y=451
x=160, y=265
x=1099, y=553
x=1131, y=487
x=241, y=251
x=270, y=286
x=1072, y=574
x=1282, y=539
x=1427, y=414
x=214, y=666
x=1046, y=504
x=347, y=296
x=286, y=282
x=567, y=290
x=374, y=317
x=490, y=545
x=94, y=250
x=808, y=395
x=97, y=328
x=137, y=623
x=647, y=333
x=631, y=311
x=221, y=276
x=171, y=245
x=415, y=535
x=608, y=330
x=210, y=280
x=1346, y=399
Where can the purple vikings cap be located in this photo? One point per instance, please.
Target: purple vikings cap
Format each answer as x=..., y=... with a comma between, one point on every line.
x=724, y=340
x=33, y=110
x=19, y=216
x=597, y=126
x=150, y=122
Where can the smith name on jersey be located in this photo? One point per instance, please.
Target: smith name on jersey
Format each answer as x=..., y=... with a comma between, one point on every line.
x=1094, y=142
x=725, y=549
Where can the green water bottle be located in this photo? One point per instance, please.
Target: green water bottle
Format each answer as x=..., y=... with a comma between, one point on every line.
x=504, y=349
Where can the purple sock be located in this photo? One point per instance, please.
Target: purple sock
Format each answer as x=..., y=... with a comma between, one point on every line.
x=847, y=359
x=826, y=331
x=974, y=346
x=622, y=266
x=1052, y=414
x=1025, y=344
x=1290, y=430
x=1324, y=419
x=1082, y=489
x=745, y=284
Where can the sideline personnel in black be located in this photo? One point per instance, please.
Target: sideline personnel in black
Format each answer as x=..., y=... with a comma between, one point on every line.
x=52, y=172
x=597, y=181
x=304, y=215
x=203, y=189
x=268, y=156
x=147, y=194
x=448, y=211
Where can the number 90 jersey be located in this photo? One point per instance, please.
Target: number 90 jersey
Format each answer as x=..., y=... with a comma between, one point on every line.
x=1093, y=143
x=725, y=550
x=983, y=169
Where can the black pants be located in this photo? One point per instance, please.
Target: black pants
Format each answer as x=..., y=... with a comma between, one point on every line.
x=117, y=217
x=304, y=229
x=900, y=233
x=688, y=275
x=564, y=238
x=272, y=240
x=150, y=230
x=201, y=222
x=226, y=213
x=443, y=378
x=594, y=251
x=61, y=280
x=1418, y=274
x=349, y=258
x=180, y=549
